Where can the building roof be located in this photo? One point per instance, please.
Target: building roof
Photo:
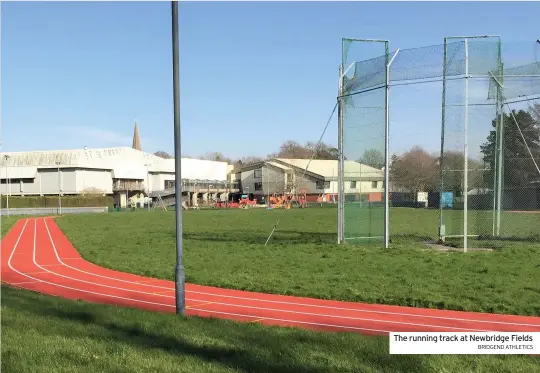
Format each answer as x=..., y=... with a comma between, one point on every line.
x=124, y=162
x=329, y=168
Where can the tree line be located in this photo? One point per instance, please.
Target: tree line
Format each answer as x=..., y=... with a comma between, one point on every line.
x=417, y=170
x=289, y=149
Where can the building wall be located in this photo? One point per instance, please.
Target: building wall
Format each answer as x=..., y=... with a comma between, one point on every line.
x=157, y=181
x=71, y=181
x=98, y=179
x=97, y=168
x=248, y=180
x=273, y=181
x=362, y=187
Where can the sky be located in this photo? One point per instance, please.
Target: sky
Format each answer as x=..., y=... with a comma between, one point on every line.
x=252, y=74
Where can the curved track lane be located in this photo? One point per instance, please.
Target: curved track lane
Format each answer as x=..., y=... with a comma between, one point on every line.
x=37, y=256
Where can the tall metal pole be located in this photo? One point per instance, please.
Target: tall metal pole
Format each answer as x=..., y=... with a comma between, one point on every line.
x=267, y=186
x=59, y=189
x=8, y=185
x=179, y=274
x=500, y=142
x=386, y=151
x=466, y=152
x=148, y=185
x=340, y=225
x=441, y=159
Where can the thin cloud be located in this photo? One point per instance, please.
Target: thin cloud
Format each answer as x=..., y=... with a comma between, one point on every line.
x=95, y=137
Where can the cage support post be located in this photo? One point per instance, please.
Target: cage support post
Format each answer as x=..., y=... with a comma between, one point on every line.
x=500, y=142
x=441, y=159
x=466, y=152
x=387, y=148
x=340, y=226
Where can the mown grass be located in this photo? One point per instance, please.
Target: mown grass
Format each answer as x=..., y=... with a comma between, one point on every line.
x=226, y=248
x=7, y=222
x=42, y=334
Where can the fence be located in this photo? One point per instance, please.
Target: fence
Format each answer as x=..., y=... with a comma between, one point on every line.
x=473, y=171
x=52, y=201
x=51, y=210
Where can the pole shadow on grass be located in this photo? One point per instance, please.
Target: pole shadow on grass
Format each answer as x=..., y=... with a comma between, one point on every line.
x=249, y=347
x=288, y=237
x=260, y=237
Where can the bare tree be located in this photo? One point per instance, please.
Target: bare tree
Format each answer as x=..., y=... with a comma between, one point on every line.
x=250, y=159
x=216, y=156
x=415, y=170
x=453, y=176
x=373, y=158
x=162, y=154
x=294, y=150
x=92, y=191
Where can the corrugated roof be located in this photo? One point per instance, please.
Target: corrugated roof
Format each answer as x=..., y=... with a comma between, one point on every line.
x=124, y=162
x=78, y=157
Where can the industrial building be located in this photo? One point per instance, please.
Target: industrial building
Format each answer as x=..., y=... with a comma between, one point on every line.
x=123, y=172
x=129, y=174
x=315, y=178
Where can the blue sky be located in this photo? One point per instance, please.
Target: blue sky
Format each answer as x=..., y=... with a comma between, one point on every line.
x=252, y=74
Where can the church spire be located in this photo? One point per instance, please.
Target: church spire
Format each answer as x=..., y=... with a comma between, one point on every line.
x=136, y=139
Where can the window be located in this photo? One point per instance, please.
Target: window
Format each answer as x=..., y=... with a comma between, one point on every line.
x=169, y=184
x=17, y=181
x=323, y=184
x=353, y=184
x=258, y=186
x=257, y=174
x=374, y=184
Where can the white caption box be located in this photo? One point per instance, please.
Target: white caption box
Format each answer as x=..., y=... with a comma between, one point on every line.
x=473, y=343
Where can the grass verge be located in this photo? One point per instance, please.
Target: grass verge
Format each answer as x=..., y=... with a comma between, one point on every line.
x=45, y=334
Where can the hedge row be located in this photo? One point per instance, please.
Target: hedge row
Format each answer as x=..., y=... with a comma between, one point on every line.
x=52, y=201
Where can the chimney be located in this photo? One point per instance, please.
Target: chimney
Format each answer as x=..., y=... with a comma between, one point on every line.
x=136, y=139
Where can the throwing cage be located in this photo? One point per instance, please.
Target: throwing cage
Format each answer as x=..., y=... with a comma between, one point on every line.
x=488, y=163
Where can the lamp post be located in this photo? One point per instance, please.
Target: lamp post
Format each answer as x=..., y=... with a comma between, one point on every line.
x=179, y=273
x=8, y=189
x=59, y=189
x=148, y=185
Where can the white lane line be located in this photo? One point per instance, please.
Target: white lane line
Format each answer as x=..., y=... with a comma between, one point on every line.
x=259, y=318
x=278, y=302
x=20, y=283
x=232, y=305
x=118, y=297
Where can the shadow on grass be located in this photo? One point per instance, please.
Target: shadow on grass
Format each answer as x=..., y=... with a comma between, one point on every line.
x=287, y=237
x=245, y=347
x=279, y=236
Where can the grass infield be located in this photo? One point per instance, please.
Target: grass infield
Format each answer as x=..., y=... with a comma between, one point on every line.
x=225, y=248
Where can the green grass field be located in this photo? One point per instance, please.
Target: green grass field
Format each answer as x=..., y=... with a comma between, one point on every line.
x=42, y=334
x=226, y=248
x=7, y=223
x=417, y=224
x=46, y=334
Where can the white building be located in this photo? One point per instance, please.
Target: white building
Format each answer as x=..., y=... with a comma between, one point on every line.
x=122, y=172
x=282, y=176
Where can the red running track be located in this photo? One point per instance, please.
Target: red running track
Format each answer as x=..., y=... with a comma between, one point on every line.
x=37, y=256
